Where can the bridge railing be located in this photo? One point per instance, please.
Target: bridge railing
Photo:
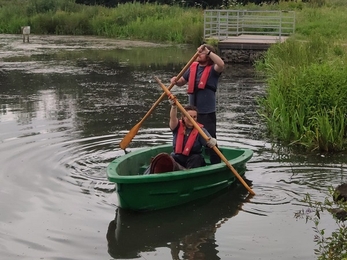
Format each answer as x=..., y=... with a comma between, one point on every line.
x=222, y=24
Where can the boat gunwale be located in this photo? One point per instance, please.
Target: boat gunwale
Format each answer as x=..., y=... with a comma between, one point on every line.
x=114, y=177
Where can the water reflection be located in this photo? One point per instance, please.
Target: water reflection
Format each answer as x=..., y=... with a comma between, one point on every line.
x=188, y=231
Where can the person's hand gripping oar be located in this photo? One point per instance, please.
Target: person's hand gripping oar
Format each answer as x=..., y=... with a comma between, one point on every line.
x=201, y=132
x=130, y=135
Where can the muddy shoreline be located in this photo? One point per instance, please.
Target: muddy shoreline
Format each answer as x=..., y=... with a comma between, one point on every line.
x=13, y=45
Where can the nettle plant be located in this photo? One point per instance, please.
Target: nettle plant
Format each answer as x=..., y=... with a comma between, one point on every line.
x=333, y=247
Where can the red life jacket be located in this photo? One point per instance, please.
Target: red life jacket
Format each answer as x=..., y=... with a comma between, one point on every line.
x=180, y=139
x=192, y=76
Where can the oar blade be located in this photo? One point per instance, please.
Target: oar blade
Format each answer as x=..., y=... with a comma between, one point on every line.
x=129, y=136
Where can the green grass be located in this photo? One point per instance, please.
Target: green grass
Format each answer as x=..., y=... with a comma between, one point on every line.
x=305, y=104
x=148, y=22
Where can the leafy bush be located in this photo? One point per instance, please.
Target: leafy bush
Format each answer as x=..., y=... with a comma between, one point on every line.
x=333, y=247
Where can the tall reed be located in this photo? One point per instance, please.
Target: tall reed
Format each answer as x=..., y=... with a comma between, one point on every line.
x=305, y=103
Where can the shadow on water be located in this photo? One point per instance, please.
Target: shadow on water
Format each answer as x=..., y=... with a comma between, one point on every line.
x=188, y=230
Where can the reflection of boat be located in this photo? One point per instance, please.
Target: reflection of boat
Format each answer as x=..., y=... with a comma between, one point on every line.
x=188, y=230
x=138, y=191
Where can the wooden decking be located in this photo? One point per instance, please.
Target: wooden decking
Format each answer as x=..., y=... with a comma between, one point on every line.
x=247, y=29
x=250, y=42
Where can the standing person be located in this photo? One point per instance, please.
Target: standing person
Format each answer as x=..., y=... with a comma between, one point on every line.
x=202, y=78
x=187, y=142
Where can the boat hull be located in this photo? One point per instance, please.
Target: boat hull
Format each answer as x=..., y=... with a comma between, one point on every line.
x=140, y=192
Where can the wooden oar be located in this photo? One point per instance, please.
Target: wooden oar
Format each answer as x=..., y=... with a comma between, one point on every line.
x=130, y=135
x=202, y=133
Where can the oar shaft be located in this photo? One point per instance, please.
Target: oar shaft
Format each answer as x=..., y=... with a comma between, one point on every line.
x=202, y=133
x=161, y=98
x=130, y=135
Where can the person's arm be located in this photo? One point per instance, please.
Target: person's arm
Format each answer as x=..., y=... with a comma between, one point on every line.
x=218, y=62
x=173, y=117
x=211, y=142
x=178, y=82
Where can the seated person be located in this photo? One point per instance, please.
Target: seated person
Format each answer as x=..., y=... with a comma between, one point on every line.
x=187, y=142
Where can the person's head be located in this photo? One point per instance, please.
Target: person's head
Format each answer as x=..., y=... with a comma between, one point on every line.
x=193, y=112
x=204, y=59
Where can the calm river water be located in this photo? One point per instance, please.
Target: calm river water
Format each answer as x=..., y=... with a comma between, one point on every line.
x=67, y=102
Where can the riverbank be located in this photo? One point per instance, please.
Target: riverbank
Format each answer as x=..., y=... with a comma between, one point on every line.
x=13, y=45
x=129, y=21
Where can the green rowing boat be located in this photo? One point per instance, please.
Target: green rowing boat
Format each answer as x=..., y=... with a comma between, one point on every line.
x=143, y=192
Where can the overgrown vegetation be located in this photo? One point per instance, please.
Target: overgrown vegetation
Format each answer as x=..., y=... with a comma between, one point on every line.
x=305, y=104
x=148, y=22
x=330, y=246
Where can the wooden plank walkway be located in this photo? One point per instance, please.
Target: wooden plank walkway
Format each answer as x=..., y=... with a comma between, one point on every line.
x=250, y=42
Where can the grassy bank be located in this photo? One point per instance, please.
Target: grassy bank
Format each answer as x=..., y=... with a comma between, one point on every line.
x=305, y=105
x=148, y=22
